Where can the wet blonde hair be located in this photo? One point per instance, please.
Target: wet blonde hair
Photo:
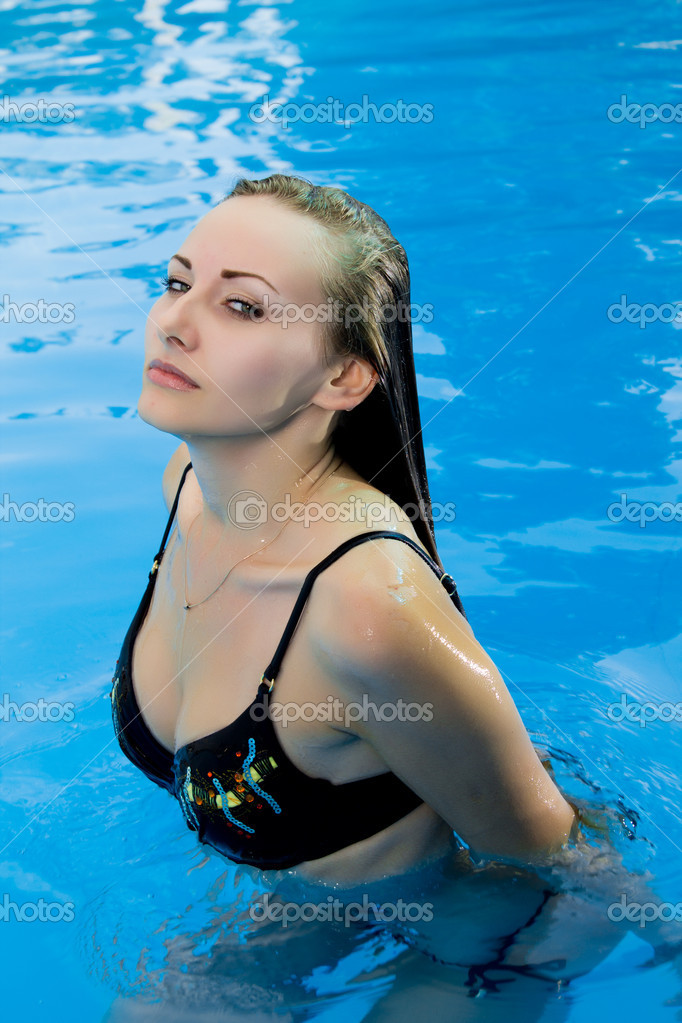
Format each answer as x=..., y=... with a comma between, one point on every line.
x=362, y=266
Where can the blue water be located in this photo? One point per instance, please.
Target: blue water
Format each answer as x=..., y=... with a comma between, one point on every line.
x=526, y=214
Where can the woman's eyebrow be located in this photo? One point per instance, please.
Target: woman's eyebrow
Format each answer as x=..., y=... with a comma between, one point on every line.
x=224, y=273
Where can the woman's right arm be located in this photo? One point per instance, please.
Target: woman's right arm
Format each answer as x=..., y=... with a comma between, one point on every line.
x=386, y=632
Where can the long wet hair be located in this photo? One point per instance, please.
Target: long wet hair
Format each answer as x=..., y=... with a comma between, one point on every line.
x=364, y=269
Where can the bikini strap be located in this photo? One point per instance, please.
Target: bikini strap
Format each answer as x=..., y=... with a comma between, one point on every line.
x=270, y=673
x=159, y=555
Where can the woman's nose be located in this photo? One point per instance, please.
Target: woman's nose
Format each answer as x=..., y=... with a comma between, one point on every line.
x=174, y=327
x=176, y=320
x=170, y=339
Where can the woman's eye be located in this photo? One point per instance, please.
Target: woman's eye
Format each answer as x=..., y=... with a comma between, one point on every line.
x=239, y=306
x=248, y=310
x=168, y=283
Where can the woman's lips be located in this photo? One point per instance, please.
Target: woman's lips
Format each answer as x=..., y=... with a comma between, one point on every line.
x=167, y=375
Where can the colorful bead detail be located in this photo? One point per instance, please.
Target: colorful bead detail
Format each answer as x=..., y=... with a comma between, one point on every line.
x=186, y=804
x=233, y=820
x=254, y=785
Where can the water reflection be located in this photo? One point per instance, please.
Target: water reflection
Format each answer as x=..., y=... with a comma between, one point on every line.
x=480, y=940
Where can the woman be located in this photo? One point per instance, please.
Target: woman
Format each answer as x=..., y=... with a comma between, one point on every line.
x=274, y=404
x=290, y=768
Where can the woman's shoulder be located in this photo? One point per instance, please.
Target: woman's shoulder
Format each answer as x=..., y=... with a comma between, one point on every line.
x=172, y=474
x=191, y=498
x=361, y=509
x=379, y=582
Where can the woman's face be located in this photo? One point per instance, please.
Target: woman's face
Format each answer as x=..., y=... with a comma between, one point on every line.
x=251, y=374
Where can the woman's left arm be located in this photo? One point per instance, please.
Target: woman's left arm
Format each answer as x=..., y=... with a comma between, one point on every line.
x=436, y=709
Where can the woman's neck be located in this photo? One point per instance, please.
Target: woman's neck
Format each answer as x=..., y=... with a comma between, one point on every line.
x=241, y=482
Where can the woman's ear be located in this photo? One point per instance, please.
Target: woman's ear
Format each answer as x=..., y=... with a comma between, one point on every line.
x=352, y=383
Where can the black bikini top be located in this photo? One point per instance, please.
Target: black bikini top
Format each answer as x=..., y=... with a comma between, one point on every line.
x=236, y=786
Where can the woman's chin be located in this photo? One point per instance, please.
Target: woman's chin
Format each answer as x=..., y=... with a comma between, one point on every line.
x=153, y=413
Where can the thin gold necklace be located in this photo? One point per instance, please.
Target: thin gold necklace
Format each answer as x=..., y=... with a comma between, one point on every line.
x=315, y=486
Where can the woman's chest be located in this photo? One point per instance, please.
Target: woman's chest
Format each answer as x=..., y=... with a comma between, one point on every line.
x=197, y=671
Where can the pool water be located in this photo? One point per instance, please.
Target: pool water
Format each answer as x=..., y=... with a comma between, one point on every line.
x=528, y=214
